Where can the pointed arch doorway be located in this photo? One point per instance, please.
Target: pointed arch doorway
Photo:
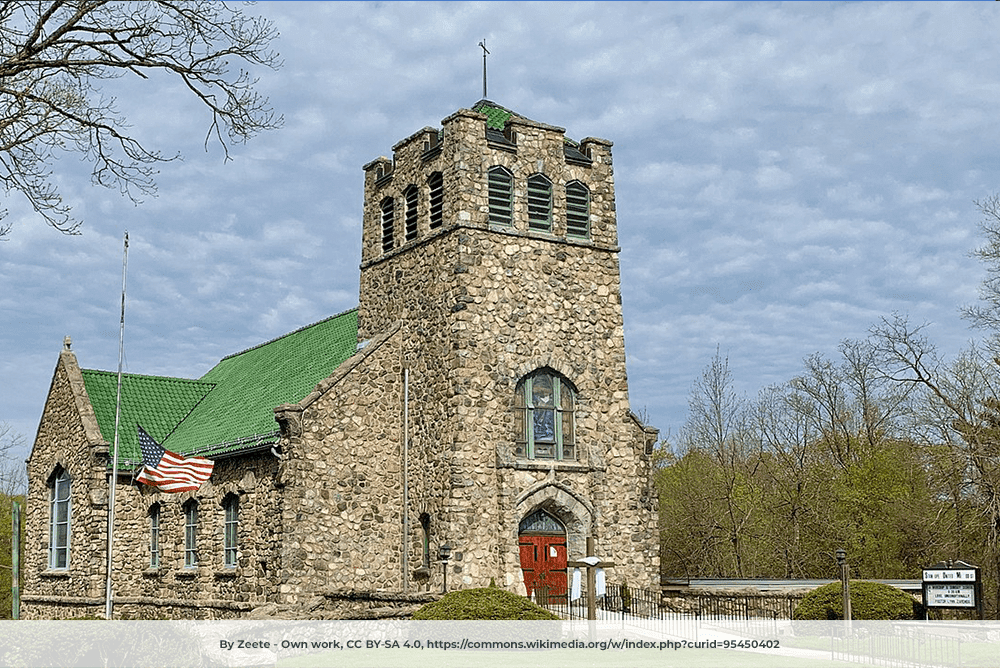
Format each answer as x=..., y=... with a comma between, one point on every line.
x=542, y=542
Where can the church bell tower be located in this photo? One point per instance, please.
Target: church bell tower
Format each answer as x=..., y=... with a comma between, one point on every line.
x=492, y=241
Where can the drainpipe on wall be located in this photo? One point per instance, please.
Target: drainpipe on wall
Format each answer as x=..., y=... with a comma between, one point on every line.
x=406, y=486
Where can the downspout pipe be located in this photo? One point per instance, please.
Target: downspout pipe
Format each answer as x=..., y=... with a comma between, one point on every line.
x=406, y=482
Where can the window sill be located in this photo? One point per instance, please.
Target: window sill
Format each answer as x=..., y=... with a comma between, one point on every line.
x=547, y=464
x=55, y=574
x=226, y=573
x=189, y=573
x=153, y=571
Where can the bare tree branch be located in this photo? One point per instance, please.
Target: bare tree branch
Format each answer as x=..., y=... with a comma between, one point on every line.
x=987, y=314
x=54, y=56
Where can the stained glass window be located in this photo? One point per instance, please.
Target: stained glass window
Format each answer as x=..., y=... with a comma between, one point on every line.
x=543, y=417
x=540, y=522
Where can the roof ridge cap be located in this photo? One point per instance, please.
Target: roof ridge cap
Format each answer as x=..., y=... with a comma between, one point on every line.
x=146, y=375
x=286, y=334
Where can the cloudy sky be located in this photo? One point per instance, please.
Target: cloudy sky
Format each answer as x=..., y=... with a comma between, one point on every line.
x=786, y=175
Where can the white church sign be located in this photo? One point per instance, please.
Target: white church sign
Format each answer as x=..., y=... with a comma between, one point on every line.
x=951, y=587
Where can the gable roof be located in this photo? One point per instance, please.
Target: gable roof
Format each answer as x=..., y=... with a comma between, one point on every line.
x=231, y=407
x=157, y=403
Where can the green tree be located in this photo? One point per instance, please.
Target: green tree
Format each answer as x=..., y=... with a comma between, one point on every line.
x=55, y=55
x=958, y=411
x=12, y=489
x=774, y=486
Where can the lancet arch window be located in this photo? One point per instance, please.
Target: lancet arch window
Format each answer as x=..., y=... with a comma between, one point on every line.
x=501, y=196
x=435, y=184
x=230, y=536
x=154, y=535
x=410, y=196
x=577, y=210
x=539, y=203
x=191, y=534
x=388, y=208
x=60, y=515
x=544, y=407
x=541, y=522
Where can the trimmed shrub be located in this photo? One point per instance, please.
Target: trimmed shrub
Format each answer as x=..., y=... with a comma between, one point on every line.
x=869, y=600
x=485, y=603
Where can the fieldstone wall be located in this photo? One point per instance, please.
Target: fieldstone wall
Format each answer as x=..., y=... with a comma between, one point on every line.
x=342, y=475
x=68, y=436
x=216, y=591
x=347, y=604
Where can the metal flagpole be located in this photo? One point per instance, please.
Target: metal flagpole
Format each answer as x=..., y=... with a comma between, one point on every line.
x=109, y=594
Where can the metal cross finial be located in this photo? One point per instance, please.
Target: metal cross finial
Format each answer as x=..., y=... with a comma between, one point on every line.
x=485, y=52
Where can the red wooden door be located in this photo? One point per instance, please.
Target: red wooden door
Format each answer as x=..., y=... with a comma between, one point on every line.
x=543, y=561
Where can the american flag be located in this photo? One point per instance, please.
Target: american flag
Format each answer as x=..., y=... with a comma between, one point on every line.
x=169, y=471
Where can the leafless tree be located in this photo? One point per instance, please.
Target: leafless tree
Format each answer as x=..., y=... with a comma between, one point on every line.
x=716, y=425
x=960, y=410
x=987, y=313
x=12, y=471
x=54, y=56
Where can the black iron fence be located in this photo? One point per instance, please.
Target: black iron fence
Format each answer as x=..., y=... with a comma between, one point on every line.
x=760, y=616
x=902, y=650
x=620, y=600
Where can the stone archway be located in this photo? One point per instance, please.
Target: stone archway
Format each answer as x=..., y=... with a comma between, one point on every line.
x=565, y=533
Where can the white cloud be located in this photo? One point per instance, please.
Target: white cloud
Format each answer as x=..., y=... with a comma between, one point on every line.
x=785, y=174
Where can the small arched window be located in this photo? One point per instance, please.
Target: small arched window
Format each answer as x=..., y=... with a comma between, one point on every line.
x=388, y=223
x=435, y=183
x=539, y=203
x=410, y=196
x=191, y=534
x=501, y=196
x=230, y=536
x=59, y=526
x=543, y=417
x=154, y=536
x=425, y=540
x=577, y=210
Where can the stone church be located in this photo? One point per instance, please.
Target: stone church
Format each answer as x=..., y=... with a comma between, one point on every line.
x=473, y=406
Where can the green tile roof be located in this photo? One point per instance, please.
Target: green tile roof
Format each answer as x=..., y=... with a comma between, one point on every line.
x=155, y=402
x=496, y=116
x=232, y=403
